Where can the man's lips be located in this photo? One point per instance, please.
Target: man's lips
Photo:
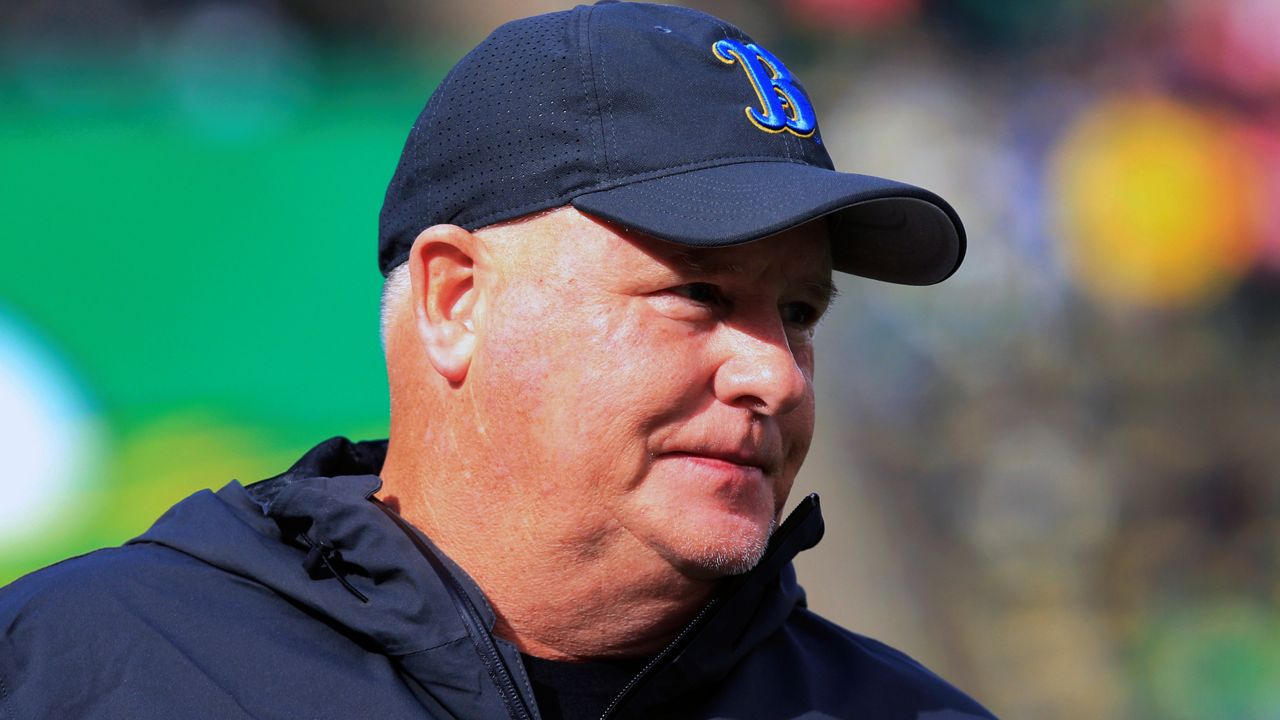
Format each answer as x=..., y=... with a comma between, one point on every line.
x=724, y=458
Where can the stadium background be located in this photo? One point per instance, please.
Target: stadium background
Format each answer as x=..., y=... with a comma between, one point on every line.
x=1053, y=478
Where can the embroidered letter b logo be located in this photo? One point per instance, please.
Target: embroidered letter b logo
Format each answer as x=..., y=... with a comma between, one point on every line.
x=783, y=104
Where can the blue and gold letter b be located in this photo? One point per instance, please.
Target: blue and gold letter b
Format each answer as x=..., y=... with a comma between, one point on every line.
x=783, y=105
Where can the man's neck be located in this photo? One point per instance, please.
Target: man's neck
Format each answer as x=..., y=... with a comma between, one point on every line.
x=592, y=611
x=561, y=598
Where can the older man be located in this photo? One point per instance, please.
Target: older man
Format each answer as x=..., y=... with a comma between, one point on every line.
x=607, y=245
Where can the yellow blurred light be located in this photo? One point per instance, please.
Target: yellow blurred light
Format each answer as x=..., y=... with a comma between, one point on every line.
x=1157, y=202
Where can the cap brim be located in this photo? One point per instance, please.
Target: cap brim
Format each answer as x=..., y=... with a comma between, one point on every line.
x=879, y=228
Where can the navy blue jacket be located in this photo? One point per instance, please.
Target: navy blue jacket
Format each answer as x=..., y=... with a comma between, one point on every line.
x=302, y=597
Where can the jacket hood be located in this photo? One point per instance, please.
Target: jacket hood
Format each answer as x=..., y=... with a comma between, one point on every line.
x=316, y=536
x=280, y=532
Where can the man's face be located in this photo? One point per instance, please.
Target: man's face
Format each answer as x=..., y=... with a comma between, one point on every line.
x=647, y=399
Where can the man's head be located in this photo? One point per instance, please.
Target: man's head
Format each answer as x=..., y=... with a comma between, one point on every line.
x=618, y=226
x=618, y=391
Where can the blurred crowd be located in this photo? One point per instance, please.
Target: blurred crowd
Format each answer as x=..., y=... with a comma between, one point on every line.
x=1071, y=449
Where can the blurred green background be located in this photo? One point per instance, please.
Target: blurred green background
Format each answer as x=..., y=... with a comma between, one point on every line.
x=1053, y=478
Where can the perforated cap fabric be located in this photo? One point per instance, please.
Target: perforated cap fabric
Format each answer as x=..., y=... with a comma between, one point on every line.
x=664, y=120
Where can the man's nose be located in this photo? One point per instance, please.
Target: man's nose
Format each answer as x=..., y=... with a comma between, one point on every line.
x=760, y=370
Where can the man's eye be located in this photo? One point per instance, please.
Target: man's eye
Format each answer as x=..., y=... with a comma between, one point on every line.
x=799, y=313
x=699, y=292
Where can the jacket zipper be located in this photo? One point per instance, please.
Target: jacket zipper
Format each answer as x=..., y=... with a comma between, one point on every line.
x=474, y=624
x=657, y=659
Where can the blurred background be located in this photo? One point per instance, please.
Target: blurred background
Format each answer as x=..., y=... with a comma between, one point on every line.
x=1053, y=478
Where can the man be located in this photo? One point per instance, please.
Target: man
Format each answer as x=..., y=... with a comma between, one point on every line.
x=608, y=242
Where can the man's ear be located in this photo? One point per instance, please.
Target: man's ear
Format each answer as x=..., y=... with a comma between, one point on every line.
x=442, y=274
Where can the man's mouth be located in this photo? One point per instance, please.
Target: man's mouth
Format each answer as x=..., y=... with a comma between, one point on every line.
x=726, y=459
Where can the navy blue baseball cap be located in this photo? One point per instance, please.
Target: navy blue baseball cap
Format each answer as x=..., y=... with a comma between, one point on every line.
x=664, y=120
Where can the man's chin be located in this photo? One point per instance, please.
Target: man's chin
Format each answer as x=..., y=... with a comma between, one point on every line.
x=710, y=555
x=702, y=530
